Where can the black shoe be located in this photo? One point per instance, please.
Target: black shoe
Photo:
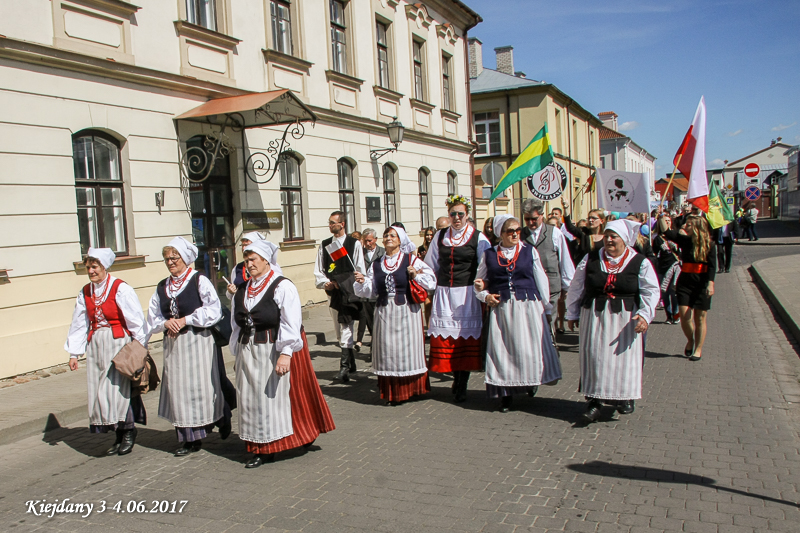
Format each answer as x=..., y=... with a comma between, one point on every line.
x=225, y=429
x=114, y=450
x=694, y=358
x=260, y=459
x=344, y=366
x=189, y=447
x=461, y=390
x=533, y=390
x=128, y=439
x=368, y=358
x=625, y=407
x=720, y=271
x=592, y=411
x=505, y=404
x=727, y=270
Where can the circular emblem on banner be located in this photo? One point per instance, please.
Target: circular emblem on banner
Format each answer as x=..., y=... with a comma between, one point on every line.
x=549, y=183
x=620, y=191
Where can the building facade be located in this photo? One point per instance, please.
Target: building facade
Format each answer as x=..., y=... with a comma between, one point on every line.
x=619, y=152
x=789, y=188
x=771, y=166
x=124, y=125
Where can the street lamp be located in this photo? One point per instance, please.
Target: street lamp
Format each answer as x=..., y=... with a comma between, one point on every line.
x=395, y=130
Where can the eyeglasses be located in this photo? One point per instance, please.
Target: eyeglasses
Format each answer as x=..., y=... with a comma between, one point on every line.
x=513, y=231
x=169, y=260
x=459, y=214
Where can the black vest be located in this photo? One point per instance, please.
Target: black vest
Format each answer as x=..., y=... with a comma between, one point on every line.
x=188, y=301
x=400, y=281
x=622, y=289
x=263, y=319
x=457, y=264
x=520, y=281
x=343, y=264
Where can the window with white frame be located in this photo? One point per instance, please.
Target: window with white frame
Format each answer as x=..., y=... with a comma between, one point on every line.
x=419, y=69
x=291, y=198
x=487, y=132
x=389, y=198
x=424, y=203
x=447, y=90
x=347, y=194
x=203, y=13
x=382, y=41
x=338, y=36
x=452, y=183
x=281, y=19
x=99, y=191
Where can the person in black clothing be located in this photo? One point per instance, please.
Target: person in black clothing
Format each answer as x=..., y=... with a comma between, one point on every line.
x=696, y=282
x=665, y=251
x=588, y=237
x=724, y=237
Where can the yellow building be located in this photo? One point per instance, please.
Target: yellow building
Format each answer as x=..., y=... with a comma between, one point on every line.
x=508, y=109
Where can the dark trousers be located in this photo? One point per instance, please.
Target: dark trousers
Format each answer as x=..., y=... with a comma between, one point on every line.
x=724, y=254
x=366, y=319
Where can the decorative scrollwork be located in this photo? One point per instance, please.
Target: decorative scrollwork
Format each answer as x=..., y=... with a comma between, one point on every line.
x=260, y=164
x=197, y=163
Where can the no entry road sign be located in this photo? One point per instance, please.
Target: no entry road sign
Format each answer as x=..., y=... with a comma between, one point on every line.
x=751, y=170
x=752, y=193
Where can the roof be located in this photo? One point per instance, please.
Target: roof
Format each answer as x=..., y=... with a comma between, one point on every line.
x=608, y=133
x=493, y=80
x=254, y=110
x=785, y=146
x=680, y=183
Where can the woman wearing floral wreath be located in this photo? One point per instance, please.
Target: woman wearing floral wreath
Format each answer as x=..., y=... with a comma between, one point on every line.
x=520, y=354
x=399, y=346
x=456, y=318
x=107, y=316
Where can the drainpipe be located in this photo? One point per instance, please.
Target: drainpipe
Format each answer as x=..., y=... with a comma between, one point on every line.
x=469, y=116
x=569, y=148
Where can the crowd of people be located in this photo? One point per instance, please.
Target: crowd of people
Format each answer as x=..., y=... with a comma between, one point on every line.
x=491, y=301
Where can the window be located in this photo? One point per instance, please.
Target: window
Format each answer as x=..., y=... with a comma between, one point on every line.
x=419, y=82
x=424, y=216
x=281, y=26
x=338, y=37
x=347, y=194
x=291, y=199
x=389, y=194
x=381, y=31
x=99, y=192
x=447, y=95
x=487, y=133
x=202, y=12
x=452, y=183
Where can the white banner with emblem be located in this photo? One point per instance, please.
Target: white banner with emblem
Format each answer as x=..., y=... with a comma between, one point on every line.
x=627, y=192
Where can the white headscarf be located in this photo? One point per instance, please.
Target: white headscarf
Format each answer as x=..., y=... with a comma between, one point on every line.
x=106, y=256
x=497, y=223
x=253, y=236
x=187, y=250
x=406, y=246
x=628, y=230
x=264, y=248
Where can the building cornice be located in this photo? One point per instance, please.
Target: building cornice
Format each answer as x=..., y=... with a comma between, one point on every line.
x=117, y=7
x=553, y=91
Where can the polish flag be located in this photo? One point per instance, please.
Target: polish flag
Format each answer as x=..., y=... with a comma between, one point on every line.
x=336, y=250
x=691, y=159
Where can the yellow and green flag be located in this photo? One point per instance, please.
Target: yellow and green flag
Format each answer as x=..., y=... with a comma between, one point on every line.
x=719, y=212
x=537, y=155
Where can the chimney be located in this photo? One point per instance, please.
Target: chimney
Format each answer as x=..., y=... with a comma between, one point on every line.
x=475, y=57
x=609, y=119
x=505, y=59
x=780, y=139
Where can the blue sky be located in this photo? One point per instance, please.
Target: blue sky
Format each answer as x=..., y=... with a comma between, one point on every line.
x=650, y=61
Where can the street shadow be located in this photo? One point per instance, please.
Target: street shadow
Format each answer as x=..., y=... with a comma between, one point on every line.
x=319, y=339
x=659, y=355
x=602, y=468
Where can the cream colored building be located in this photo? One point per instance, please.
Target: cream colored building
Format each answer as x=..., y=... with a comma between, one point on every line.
x=508, y=109
x=92, y=151
x=619, y=152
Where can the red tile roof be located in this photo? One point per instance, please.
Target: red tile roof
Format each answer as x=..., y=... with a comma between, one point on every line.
x=608, y=133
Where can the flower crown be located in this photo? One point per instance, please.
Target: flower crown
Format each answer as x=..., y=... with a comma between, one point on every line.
x=458, y=199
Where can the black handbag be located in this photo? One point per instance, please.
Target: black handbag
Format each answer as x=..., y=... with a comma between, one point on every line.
x=222, y=330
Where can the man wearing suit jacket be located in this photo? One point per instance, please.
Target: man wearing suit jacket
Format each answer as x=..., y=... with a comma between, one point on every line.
x=372, y=253
x=724, y=237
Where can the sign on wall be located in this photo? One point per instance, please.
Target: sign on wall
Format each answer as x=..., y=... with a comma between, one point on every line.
x=262, y=220
x=373, y=208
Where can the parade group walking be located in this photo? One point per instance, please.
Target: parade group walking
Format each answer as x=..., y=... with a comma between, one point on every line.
x=483, y=305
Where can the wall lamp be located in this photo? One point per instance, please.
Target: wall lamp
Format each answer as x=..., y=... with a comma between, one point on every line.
x=395, y=130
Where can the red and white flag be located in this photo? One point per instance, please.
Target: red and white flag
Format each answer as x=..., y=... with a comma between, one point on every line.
x=336, y=250
x=691, y=159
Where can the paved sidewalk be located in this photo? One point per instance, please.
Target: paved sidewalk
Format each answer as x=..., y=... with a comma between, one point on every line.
x=774, y=232
x=778, y=279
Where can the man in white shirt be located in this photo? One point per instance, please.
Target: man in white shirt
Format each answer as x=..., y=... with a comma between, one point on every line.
x=372, y=253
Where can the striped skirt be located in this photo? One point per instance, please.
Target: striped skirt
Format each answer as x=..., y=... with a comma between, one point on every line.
x=519, y=348
x=308, y=416
x=109, y=391
x=611, y=354
x=399, y=347
x=394, y=389
x=453, y=355
x=191, y=395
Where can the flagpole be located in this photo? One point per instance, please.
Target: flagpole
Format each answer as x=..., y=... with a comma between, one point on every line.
x=678, y=162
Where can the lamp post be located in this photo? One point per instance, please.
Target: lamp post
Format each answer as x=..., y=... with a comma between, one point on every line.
x=395, y=129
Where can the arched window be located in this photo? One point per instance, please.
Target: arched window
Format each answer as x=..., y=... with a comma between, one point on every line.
x=291, y=198
x=452, y=183
x=99, y=191
x=389, y=198
x=347, y=194
x=424, y=216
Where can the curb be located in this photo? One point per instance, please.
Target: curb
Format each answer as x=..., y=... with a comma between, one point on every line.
x=776, y=301
x=768, y=244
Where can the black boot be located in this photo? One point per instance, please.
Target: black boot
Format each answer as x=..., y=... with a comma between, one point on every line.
x=461, y=391
x=505, y=403
x=592, y=410
x=456, y=381
x=344, y=366
x=115, y=448
x=128, y=439
x=260, y=459
x=625, y=407
x=533, y=390
x=189, y=447
x=352, y=360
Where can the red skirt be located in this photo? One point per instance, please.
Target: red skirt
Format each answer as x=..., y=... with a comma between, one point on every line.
x=452, y=355
x=310, y=413
x=400, y=389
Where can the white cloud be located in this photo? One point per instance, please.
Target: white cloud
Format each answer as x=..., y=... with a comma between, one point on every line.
x=716, y=163
x=781, y=127
x=734, y=133
x=628, y=126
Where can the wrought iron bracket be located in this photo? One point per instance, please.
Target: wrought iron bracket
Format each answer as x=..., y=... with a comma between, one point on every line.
x=198, y=162
x=377, y=154
x=261, y=164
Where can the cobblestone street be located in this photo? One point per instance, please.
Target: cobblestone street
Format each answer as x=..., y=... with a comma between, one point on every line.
x=712, y=447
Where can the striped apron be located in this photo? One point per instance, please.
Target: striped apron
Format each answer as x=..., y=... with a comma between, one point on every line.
x=399, y=346
x=191, y=395
x=265, y=412
x=109, y=391
x=519, y=350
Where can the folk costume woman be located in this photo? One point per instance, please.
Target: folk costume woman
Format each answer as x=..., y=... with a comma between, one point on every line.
x=614, y=294
x=184, y=306
x=107, y=316
x=520, y=354
x=399, y=346
x=240, y=274
x=280, y=403
x=456, y=318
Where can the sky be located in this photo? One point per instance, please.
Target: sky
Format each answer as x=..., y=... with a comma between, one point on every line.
x=651, y=61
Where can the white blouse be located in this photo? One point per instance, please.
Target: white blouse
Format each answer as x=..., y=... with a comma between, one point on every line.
x=128, y=303
x=203, y=317
x=289, y=339
x=538, y=274
x=649, y=289
x=425, y=277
